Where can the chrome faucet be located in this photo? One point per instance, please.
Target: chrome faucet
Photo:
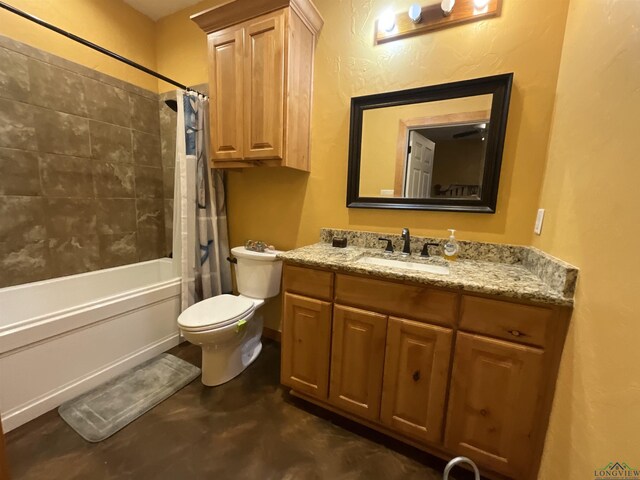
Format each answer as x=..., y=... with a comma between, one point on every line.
x=406, y=247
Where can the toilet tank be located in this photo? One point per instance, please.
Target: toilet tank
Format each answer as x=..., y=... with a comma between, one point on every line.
x=258, y=274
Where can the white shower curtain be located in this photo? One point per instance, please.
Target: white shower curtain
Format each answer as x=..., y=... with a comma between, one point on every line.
x=200, y=236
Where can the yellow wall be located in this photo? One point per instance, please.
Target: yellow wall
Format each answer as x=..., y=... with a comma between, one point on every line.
x=109, y=23
x=379, y=146
x=288, y=208
x=593, y=221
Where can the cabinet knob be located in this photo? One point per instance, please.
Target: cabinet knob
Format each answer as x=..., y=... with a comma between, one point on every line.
x=515, y=333
x=416, y=375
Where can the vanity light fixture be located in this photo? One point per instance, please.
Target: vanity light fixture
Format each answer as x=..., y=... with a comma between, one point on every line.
x=447, y=7
x=437, y=15
x=387, y=21
x=415, y=12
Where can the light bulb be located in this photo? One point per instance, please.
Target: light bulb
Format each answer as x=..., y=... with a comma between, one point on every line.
x=415, y=13
x=480, y=4
x=387, y=21
x=447, y=7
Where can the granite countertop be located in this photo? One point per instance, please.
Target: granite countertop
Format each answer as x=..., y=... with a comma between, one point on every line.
x=517, y=279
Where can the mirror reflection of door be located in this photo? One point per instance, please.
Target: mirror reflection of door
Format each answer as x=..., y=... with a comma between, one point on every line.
x=419, y=166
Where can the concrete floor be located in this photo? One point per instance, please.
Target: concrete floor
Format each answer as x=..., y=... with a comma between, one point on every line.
x=249, y=428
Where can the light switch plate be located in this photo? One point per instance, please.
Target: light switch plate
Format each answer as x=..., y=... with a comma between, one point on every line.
x=538, y=228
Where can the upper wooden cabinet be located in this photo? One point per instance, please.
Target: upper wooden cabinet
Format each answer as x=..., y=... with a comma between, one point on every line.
x=260, y=75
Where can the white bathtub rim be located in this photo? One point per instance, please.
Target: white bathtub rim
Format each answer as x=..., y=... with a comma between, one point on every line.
x=27, y=332
x=86, y=277
x=84, y=274
x=94, y=303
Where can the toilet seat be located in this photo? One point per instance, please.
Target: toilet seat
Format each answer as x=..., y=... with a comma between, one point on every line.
x=215, y=312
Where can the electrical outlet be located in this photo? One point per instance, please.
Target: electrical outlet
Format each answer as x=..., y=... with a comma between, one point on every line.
x=539, y=219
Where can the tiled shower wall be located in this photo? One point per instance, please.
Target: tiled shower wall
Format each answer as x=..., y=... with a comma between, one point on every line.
x=81, y=177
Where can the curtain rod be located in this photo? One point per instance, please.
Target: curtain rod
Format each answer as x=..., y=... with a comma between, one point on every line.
x=98, y=48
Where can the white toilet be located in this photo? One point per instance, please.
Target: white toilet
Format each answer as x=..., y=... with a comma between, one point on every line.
x=228, y=327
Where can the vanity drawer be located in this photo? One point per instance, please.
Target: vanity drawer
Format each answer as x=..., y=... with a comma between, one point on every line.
x=307, y=281
x=407, y=301
x=511, y=321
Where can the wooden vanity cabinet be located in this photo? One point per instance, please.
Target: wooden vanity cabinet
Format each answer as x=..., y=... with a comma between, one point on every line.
x=260, y=78
x=306, y=344
x=415, y=381
x=495, y=394
x=357, y=360
x=448, y=372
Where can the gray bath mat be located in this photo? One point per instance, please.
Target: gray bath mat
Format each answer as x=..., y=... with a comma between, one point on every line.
x=103, y=411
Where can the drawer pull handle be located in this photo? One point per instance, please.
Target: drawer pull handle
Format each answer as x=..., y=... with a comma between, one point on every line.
x=416, y=375
x=515, y=333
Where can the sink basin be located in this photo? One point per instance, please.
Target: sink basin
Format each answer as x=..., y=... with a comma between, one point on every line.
x=420, y=267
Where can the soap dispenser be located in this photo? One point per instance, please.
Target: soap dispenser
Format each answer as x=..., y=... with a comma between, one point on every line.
x=451, y=246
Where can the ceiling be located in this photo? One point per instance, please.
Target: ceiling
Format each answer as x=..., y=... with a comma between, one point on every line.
x=155, y=9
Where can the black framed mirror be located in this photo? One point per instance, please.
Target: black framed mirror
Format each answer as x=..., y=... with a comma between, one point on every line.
x=429, y=148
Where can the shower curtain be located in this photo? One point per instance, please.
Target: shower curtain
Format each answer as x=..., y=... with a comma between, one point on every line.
x=200, y=236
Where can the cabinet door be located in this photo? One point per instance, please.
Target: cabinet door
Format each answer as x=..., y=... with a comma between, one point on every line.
x=226, y=106
x=264, y=86
x=357, y=360
x=495, y=390
x=415, y=378
x=306, y=345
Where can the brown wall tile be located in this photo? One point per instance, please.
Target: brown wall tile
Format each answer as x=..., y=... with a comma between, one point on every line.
x=168, y=225
x=23, y=220
x=17, y=125
x=14, y=75
x=19, y=174
x=168, y=119
x=24, y=262
x=56, y=88
x=150, y=213
x=144, y=114
x=107, y=103
x=118, y=249
x=115, y=180
x=168, y=182
x=64, y=176
x=67, y=217
x=116, y=215
x=74, y=254
x=148, y=182
x=146, y=149
x=76, y=149
x=62, y=133
x=151, y=244
x=110, y=143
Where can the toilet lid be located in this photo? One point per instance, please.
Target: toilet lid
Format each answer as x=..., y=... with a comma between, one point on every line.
x=217, y=311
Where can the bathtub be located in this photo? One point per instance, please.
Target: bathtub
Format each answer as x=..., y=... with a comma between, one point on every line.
x=62, y=337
